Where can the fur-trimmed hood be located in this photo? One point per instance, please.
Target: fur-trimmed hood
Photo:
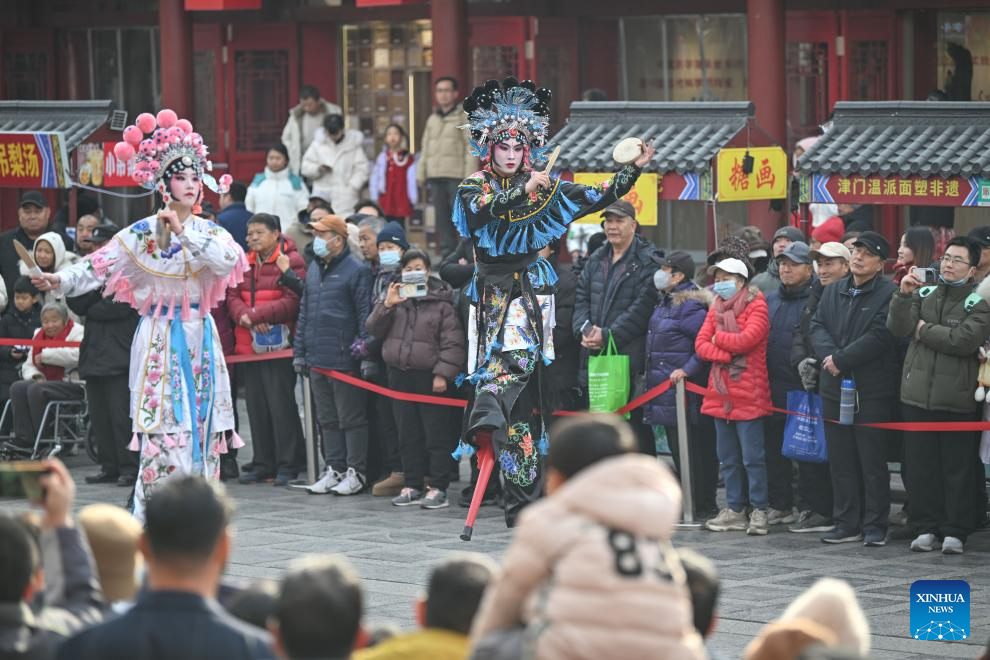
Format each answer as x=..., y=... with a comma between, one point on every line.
x=703, y=296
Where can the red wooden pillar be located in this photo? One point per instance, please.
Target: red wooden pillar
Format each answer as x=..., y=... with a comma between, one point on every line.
x=767, y=87
x=450, y=41
x=175, y=24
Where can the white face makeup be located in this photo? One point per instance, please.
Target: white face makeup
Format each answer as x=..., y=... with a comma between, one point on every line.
x=185, y=187
x=508, y=155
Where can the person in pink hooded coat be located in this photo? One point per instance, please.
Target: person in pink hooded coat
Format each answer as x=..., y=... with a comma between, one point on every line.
x=591, y=572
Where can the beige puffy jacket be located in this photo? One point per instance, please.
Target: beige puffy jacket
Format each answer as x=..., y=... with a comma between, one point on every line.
x=444, y=152
x=349, y=169
x=561, y=576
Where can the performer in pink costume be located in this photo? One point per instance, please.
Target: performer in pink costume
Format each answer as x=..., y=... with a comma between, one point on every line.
x=172, y=267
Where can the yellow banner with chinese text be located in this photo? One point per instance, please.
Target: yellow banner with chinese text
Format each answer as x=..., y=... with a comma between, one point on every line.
x=643, y=196
x=767, y=177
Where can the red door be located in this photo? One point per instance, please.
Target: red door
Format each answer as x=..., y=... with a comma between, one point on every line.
x=556, y=49
x=261, y=76
x=500, y=46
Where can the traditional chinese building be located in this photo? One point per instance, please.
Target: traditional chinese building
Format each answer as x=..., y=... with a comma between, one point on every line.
x=236, y=66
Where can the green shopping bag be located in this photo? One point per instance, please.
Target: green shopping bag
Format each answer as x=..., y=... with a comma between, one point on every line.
x=608, y=379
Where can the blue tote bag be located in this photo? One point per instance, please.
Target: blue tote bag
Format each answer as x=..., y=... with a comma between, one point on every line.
x=804, y=437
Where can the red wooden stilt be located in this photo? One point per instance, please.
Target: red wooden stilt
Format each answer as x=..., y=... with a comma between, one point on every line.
x=486, y=461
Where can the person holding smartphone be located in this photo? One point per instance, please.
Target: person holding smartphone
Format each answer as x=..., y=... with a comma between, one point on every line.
x=424, y=349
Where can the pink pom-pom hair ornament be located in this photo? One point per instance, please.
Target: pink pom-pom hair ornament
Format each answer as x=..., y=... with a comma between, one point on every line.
x=167, y=118
x=124, y=151
x=164, y=145
x=145, y=122
x=133, y=135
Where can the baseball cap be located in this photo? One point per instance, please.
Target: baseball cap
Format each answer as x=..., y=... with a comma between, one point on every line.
x=103, y=233
x=874, y=242
x=33, y=197
x=680, y=261
x=981, y=235
x=798, y=252
x=730, y=265
x=620, y=207
x=333, y=223
x=832, y=250
x=789, y=232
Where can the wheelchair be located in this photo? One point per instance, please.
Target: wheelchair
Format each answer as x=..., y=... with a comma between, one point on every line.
x=64, y=424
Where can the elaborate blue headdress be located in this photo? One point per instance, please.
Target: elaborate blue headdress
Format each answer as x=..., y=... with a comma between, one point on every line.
x=511, y=109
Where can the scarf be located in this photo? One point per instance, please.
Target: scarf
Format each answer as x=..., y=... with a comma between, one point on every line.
x=51, y=372
x=726, y=315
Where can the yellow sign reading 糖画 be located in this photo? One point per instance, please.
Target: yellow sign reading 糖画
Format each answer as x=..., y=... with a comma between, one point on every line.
x=767, y=178
x=643, y=197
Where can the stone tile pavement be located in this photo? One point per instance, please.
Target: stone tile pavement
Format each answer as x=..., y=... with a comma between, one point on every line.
x=393, y=550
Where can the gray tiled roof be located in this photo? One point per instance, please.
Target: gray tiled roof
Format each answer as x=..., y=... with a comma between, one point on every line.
x=687, y=136
x=924, y=138
x=76, y=120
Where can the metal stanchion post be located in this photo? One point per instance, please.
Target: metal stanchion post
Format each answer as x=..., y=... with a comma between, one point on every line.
x=687, y=495
x=310, y=436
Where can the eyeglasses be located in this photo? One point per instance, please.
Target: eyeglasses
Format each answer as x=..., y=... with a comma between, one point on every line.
x=957, y=261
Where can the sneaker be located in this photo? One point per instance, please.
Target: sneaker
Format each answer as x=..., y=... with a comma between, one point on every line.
x=874, y=538
x=758, y=525
x=727, y=520
x=926, y=543
x=351, y=484
x=898, y=518
x=323, y=485
x=951, y=546
x=390, y=486
x=809, y=521
x=252, y=477
x=839, y=535
x=283, y=479
x=435, y=499
x=778, y=517
x=407, y=497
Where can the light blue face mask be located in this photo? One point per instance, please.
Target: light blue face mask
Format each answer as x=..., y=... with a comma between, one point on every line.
x=725, y=289
x=320, y=248
x=389, y=259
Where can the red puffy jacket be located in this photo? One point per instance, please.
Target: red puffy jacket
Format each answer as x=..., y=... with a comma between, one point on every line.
x=272, y=303
x=751, y=391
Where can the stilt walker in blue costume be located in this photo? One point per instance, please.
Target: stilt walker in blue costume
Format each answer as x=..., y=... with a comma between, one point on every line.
x=510, y=210
x=172, y=267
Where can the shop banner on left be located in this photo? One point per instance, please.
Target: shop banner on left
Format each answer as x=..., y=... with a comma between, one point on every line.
x=33, y=160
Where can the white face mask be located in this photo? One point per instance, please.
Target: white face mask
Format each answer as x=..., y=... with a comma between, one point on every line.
x=661, y=280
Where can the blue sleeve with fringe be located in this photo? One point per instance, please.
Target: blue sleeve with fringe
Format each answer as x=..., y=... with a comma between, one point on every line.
x=509, y=221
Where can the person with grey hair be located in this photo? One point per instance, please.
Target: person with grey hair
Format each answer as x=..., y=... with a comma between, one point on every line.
x=49, y=374
x=319, y=609
x=368, y=228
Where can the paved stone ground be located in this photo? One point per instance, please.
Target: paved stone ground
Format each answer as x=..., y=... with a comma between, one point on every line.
x=393, y=550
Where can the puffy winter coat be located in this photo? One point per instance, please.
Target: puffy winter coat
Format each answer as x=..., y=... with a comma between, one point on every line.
x=63, y=259
x=750, y=392
x=260, y=296
x=444, y=151
x=563, y=371
x=422, y=333
x=332, y=312
x=591, y=572
x=225, y=327
x=349, y=168
x=292, y=134
x=675, y=323
x=282, y=194
x=15, y=325
x=625, y=307
x=941, y=366
x=10, y=261
x=853, y=330
x=784, y=309
x=66, y=358
x=110, y=327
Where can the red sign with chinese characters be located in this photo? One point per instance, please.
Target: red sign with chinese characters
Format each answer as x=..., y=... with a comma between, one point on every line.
x=221, y=5
x=876, y=189
x=33, y=160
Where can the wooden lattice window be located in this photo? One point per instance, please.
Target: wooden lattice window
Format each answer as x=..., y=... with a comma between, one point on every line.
x=868, y=71
x=206, y=95
x=25, y=76
x=807, y=88
x=261, y=97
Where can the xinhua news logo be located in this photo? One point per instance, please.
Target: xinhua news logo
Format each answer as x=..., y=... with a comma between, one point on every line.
x=940, y=610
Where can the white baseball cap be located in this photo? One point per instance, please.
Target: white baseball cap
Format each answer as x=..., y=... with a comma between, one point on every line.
x=730, y=265
x=831, y=250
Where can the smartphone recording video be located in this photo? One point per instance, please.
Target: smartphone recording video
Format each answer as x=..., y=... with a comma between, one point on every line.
x=21, y=480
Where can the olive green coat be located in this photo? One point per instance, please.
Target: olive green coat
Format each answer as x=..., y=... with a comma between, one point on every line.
x=941, y=366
